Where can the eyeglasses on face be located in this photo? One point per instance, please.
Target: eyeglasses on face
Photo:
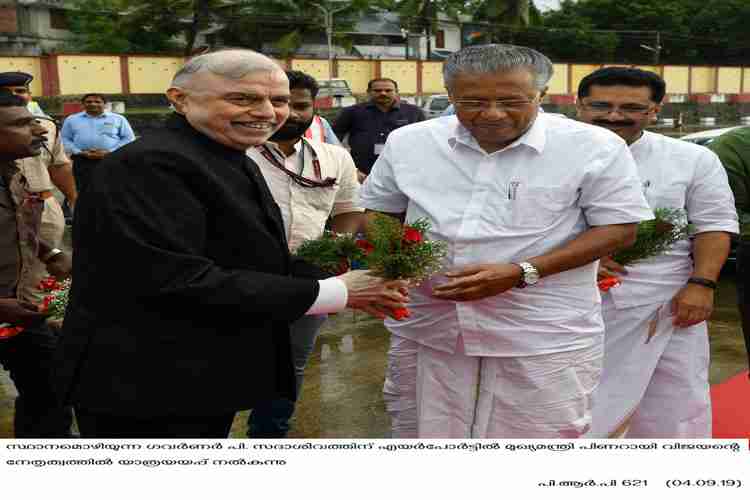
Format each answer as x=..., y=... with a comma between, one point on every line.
x=477, y=105
x=626, y=109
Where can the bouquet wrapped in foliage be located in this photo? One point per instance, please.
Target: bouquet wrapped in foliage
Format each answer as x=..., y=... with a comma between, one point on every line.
x=654, y=238
x=55, y=303
x=401, y=252
x=331, y=252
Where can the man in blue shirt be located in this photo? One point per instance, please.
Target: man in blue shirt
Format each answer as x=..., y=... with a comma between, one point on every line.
x=90, y=135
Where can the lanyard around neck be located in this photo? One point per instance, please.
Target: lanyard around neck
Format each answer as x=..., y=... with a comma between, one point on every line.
x=300, y=179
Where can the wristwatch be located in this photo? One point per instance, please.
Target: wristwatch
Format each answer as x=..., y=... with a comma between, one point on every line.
x=49, y=255
x=529, y=275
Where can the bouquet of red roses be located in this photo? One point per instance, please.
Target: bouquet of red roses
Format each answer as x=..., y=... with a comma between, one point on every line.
x=401, y=252
x=54, y=303
x=654, y=237
x=332, y=252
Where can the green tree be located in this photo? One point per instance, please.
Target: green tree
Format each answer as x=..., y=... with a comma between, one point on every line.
x=123, y=26
x=421, y=16
x=96, y=27
x=683, y=31
x=287, y=22
x=507, y=12
x=565, y=35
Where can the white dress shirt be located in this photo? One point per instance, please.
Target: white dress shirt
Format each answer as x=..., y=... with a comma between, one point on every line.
x=676, y=174
x=305, y=210
x=533, y=196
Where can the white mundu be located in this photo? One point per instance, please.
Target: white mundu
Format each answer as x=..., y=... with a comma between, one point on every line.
x=534, y=354
x=654, y=374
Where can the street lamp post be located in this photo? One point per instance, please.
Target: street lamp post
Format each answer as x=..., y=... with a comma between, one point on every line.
x=405, y=34
x=328, y=17
x=656, y=49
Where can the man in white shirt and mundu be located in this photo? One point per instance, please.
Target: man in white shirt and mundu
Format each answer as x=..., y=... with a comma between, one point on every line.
x=655, y=379
x=508, y=343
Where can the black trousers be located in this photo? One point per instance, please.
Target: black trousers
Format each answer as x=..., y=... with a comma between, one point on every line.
x=102, y=425
x=82, y=170
x=743, y=291
x=29, y=357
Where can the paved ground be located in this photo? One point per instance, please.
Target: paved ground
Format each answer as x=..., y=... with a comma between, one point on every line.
x=342, y=397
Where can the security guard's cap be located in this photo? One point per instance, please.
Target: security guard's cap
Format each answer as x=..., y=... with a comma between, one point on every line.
x=15, y=79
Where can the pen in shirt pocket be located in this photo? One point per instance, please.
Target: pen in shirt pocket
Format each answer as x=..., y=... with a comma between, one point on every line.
x=513, y=190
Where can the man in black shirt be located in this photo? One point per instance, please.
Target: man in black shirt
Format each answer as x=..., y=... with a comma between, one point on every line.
x=368, y=124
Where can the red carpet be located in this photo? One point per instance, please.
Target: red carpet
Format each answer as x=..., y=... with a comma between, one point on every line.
x=731, y=408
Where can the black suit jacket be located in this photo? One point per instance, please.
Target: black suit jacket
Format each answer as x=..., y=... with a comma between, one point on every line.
x=183, y=287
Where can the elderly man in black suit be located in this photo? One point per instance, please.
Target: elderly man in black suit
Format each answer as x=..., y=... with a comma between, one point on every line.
x=183, y=287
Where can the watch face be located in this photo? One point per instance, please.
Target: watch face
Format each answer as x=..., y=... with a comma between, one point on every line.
x=530, y=274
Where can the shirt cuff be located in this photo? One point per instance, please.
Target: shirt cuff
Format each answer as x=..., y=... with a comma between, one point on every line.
x=332, y=297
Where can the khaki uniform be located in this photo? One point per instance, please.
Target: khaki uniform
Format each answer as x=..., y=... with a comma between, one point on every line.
x=38, y=182
x=20, y=245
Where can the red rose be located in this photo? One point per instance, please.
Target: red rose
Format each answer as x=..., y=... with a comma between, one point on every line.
x=46, y=302
x=48, y=284
x=411, y=235
x=366, y=246
x=401, y=313
x=10, y=331
x=607, y=283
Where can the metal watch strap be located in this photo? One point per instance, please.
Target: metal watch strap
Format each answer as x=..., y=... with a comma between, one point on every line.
x=522, y=282
x=50, y=254
x=703, y=282
x=526, y=268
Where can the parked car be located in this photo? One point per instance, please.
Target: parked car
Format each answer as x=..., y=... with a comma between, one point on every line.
x=434, y=105
x=705, y=137
x=334, y=93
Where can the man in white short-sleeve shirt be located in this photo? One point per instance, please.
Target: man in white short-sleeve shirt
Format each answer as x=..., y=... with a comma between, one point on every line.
x=508, y=342
x=655, y=378
x=295, y=169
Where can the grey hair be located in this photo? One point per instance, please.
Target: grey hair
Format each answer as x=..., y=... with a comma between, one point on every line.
x=229, y=63
x=493, y=58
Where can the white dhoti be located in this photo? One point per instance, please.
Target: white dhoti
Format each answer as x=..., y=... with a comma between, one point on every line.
x=431, y=394
x=655, y=378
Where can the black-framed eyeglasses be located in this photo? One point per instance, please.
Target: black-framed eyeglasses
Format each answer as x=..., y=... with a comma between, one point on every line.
x=477, y=105
x=626, y=109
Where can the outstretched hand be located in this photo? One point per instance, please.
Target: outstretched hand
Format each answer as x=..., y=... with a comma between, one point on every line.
x=19, y=313
x=374, y=295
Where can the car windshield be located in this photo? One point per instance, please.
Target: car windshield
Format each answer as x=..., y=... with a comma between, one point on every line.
x=340, y=84
x=439, y=103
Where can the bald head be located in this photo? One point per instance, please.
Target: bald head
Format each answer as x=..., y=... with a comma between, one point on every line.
x=232, y=64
